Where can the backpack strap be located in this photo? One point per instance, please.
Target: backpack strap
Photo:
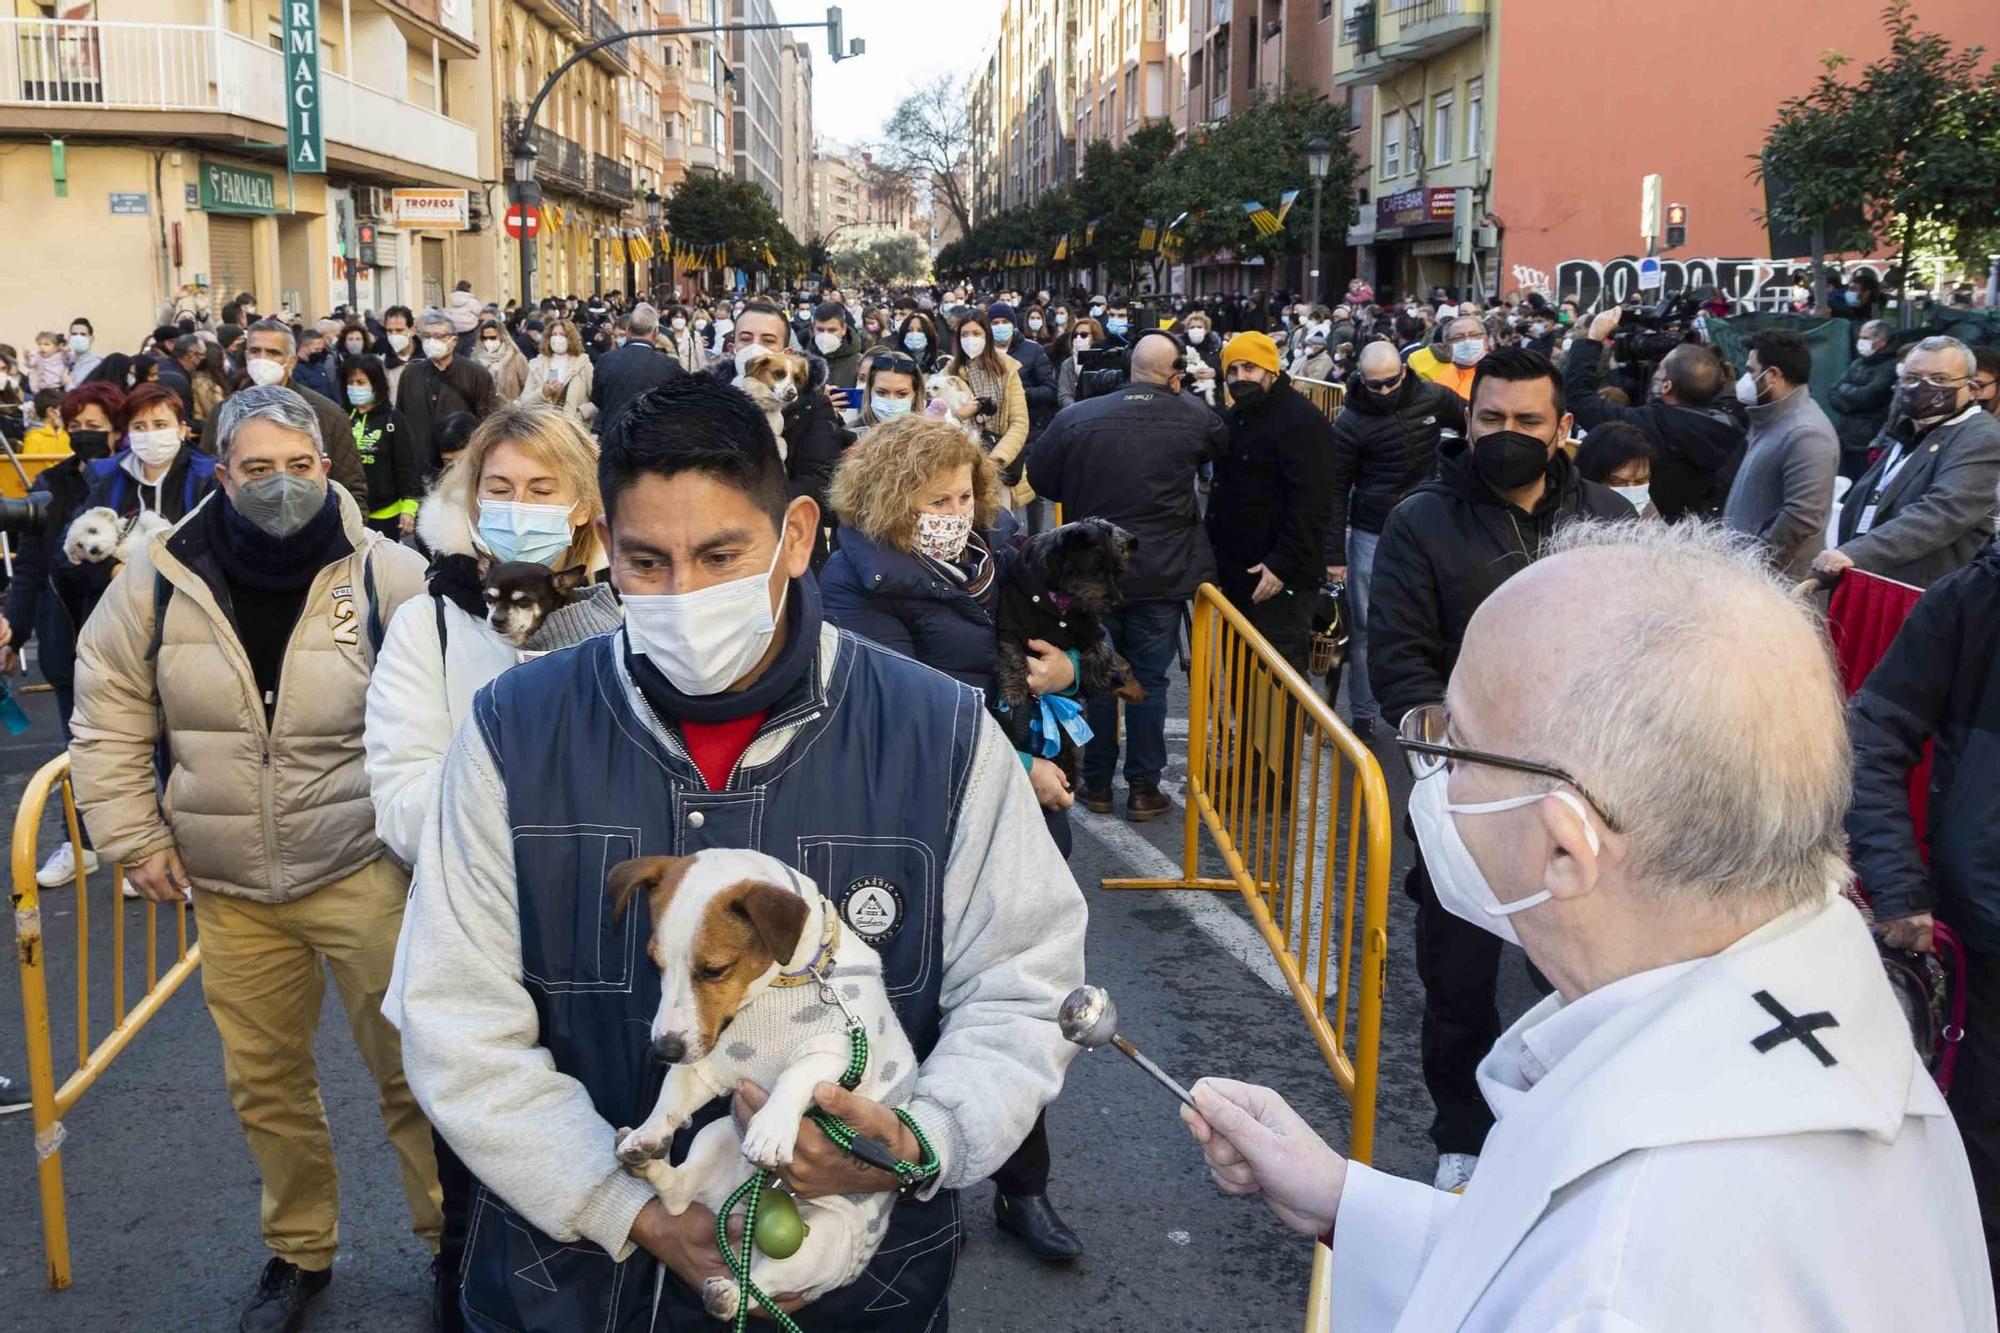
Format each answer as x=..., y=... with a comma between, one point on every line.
x=163, y=592
x=376, y=629
x=444, y=657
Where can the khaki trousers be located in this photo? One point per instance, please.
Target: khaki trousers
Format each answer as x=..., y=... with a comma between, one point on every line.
x=261, y=975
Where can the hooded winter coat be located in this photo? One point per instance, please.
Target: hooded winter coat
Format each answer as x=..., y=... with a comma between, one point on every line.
x=268, y=811
x=1382, y=448
x=1269, y=499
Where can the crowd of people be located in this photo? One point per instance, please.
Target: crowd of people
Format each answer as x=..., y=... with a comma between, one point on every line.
x=299, y=706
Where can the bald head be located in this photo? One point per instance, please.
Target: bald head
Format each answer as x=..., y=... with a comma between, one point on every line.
x=1691, y=375
x=1379, y=360
x=1699, y=708
x=1155, y=360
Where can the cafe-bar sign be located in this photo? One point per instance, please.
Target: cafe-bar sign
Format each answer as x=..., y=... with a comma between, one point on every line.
x=1414, y=208
x=305, y=137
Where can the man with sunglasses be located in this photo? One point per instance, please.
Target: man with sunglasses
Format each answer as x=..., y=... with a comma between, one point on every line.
x=1384, y=444
x=1926, y=506
x=1719, y=1121
x=1495, y=503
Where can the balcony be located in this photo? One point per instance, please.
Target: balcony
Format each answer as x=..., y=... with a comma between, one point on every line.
x=1387, y=37
x=567, y=15
x=614, y=57
x=189, y=69
x=560, y=164
x=611, y=181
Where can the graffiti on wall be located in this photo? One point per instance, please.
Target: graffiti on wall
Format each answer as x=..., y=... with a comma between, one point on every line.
x=1760, y=283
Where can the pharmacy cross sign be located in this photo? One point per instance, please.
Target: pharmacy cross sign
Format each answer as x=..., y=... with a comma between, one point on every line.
x=305, y=137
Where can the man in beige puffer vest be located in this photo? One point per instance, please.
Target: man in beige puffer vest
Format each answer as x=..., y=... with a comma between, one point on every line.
x=249, y=632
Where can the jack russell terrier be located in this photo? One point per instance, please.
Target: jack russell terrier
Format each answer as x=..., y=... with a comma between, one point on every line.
x=743, y=943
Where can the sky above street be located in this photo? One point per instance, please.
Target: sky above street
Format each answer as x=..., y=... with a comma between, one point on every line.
x=909, y=42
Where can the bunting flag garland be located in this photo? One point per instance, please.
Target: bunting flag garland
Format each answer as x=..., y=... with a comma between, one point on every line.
x=1261, y=218
x=1285, y=202
x=639, y=248
x=1090, y=232
x=1062, y=249
x=1149, y=234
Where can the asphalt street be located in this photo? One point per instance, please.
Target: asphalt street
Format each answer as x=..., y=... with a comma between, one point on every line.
x=163, y=1196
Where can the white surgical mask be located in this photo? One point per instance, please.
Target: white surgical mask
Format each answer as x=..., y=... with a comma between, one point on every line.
x=1034, y=323
x=1062, y=318
x=1461, y=889
x=400, y=342
x=1640, y=496
x=679, y=325
x=79, y=343
x=355, y=347
x=264, y=370
x=558, y=344
x=436, y=348
x=154, y=447
x=705, y=641
x=512, y=530
x=1865, y=346
x=891, y=407
x=827, y=343
x=974, y=345
x=915, y=341
x=943, y=536
x=1467, y=351
x=1081, y=342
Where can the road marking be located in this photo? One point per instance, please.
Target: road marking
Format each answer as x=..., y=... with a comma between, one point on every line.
x=1141, y=859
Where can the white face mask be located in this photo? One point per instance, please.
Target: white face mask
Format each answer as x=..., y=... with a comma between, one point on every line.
x=827, y=343
x=943, y=536
x=1865, y=346
x=1467, y=351
x=154, y=447
x=558, y=344
x=1034, y=324
x=1003, y=334
x=1081, y=342
x=679, y=325
x=891, y=407
x=1461, y=889
x=705, y=641
x=265, y=371
x=974, y=346
x=400, y=342
x=1746, y=389
x=436, y=348
x=1640, y=496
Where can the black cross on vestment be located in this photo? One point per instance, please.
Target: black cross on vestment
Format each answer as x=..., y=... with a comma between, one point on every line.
x=1798, y=1028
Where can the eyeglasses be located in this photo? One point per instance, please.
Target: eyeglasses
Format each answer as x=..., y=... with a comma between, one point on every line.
x=1423, y=736
x=895, y=364
x=1934, y=381
x=1381, y=386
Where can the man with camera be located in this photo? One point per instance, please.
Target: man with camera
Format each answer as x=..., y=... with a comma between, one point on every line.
x=1130, y=455
x=1696, y=446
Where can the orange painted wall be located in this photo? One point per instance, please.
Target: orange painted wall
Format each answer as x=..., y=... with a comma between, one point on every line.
x=1595, y=94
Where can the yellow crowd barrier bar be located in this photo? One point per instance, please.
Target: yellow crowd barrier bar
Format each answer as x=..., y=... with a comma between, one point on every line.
x=1324, y=394
x=51, y=1103
x=1298, y=813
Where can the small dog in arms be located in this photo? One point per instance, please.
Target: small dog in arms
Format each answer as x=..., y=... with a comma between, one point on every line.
x=773, y=380
x=749, y=953
x=98, y=534
x=520, y=594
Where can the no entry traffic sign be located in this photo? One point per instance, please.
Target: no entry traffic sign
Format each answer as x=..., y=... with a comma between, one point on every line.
x=519, y=217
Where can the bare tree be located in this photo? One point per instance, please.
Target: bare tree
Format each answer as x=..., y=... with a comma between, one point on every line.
x=926, y=140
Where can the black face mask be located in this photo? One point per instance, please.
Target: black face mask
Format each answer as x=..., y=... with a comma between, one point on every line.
x=89, y=444
x=1507, y=460
x=1930, y=400
x=1246, y=394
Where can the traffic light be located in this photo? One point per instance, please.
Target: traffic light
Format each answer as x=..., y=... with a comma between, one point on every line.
x=1677, y=226
x=836, y=42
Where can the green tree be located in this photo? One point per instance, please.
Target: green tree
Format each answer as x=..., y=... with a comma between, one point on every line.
x=1113, y=190
x=1913, y=139
x=709, y=209
x=926, y=139
x=895, y=258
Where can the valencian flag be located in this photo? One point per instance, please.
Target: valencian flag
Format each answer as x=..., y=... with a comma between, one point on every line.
x=1285, y=203
x=1149, y=235
x=639, y=248
x=1062, y=248
x=1261, y=218
x=1090, y=232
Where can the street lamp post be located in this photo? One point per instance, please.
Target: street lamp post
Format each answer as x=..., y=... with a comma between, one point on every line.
x=653, y=237
x=528, y=194
x=1319, y=160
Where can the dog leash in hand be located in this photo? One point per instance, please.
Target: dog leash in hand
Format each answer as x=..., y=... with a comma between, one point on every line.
x=909, y=1175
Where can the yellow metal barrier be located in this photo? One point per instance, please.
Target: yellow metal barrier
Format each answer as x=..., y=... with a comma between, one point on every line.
x=1324, y=394
x=1298, y=812
x=52, y=1103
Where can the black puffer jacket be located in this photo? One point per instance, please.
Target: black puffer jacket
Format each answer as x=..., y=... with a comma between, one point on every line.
x=1444, y=550
x=1382, y=449
x=1860, y=400
x=1940, y=680
x=1695, y=451
x=1268, y=502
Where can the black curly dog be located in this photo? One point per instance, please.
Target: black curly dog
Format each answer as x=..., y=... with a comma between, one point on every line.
x=1059, y=590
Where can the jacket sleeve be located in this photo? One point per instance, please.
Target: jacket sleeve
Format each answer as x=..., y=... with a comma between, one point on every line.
x=409, y=469
x=1342, y=468
x=531, y=387
x=814, y=455
x=471, y=1038
x=407, y=730
x=1383, y=1231
x=1896, y=710
x=1863, y=394
x=1583, y=371
x=866, y=616
x=484, y=396
x=1304, y=463
x=1038, y=382
x=343, y=458
x=116, y=722
x=580, y=396
x=1013, y=411
x=1405, y=632
x=1959, y=499
x=1013, y=948
x=31, y=572
x=1811, y=461
x=1066, y=382
x=1046, y=457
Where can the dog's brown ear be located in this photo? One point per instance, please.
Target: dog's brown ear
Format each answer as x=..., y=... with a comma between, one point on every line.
x=569, y=580
x=658, y=875
x=777, y=917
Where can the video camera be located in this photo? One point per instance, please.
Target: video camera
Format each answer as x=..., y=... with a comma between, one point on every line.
x=1102, y=370
x=1648, y=333
x=31, y=513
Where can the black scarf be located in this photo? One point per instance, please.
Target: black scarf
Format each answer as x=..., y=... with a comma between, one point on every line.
x=255, y=559
x=796, y=659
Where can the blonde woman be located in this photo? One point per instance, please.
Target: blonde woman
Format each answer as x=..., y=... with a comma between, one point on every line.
x=1000, y=406
x=918, y=570
x=560, y=376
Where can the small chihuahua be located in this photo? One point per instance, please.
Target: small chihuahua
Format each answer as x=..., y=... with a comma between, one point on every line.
x=521, y=593
x=743, y=942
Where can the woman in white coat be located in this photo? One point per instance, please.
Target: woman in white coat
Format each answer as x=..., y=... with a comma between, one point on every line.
x=525, y=489
x=560, y=376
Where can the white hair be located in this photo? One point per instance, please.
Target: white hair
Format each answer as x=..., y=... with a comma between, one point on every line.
x=1708, y=720
x=264, y=402
x=277, y=326
x=1941, y=343
x=644, y=321
x=433, y=317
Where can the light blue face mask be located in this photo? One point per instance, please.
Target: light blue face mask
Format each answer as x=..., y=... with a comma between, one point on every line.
x=891, y=407
x=535, y=533
x=361, y=395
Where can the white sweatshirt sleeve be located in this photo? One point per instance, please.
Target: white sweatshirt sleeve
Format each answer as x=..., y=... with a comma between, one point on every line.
x=408, y=727
x=1013, y=948
x=471, y=1047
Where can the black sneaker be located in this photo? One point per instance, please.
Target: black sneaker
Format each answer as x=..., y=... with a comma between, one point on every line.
x=1033, y=1220
x=283, y=1293
x=13, y=1096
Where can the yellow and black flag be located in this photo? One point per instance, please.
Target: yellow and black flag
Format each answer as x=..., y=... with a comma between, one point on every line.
x=1261, y=218
x=1149, y=235
x=1062, y=249
x=1285, y=203
x=1090, y=232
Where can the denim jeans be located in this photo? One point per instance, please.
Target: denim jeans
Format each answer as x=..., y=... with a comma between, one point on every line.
x=1360, y=574
x=1145, y=634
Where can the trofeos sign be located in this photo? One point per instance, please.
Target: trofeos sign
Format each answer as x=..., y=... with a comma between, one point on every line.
x=226, y=189
x=1415, y=208
x=305, y=136
x=430, y=210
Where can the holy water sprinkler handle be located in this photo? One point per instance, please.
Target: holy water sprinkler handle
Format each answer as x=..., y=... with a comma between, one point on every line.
x=1089, y=1019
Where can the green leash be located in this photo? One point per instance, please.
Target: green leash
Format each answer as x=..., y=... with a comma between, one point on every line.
x=907, y=1174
